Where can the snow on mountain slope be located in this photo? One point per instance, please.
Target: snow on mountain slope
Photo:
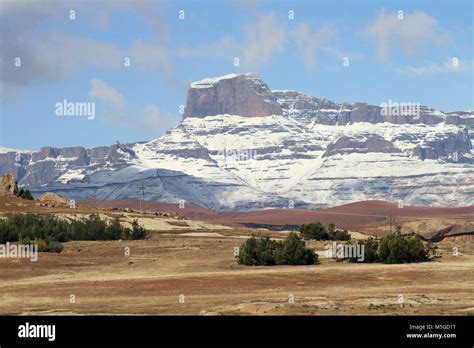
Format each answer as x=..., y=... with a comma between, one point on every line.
x=310, y=153
x=7, y=149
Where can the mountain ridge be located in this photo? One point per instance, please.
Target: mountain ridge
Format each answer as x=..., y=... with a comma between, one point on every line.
x=312, y=153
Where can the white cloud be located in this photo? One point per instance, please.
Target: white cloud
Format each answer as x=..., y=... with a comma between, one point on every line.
x=266, y=37
x=103, y=92
x=116, y=109
x=153, y=120
x=52, y=55
x=411, y=34
x=149, y=57
x=309, y=41
x=451, y=65
x=263, y=39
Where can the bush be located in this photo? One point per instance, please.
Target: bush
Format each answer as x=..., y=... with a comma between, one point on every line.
x=266, y=252
x=260, y=251
x=396, y=249
x=314, y=230
x=7, y=232
x=138, y=232
x=339, y=235
x=371, y=248
x=93, y=228
x=115, y=231
x=317, y=231
x=48, y=231
x=25, y=194
x=248, y=252
x=48, y=246
x=294, y=252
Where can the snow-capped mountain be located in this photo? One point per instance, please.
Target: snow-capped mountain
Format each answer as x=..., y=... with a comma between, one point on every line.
x=242, y=146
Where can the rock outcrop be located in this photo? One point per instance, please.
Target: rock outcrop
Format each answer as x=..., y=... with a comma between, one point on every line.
x=50, y=163
x=323, y=111
x=52, y=199
x=243, y=95
x=8, y=185
x=363, y=144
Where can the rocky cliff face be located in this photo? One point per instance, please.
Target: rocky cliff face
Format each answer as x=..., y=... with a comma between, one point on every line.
x=242, y=146
x=243, y=95
x=49, y=164
x=320, y=110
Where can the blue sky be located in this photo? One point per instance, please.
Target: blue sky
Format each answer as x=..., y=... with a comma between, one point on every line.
x=407, y=56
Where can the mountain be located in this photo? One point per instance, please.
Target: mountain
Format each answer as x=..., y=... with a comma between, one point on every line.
x=241, y=146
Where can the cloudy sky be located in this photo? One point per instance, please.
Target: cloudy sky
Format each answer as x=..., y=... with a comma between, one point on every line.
x=135, y=59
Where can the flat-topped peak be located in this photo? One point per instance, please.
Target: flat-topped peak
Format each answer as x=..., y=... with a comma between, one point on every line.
x=233, y=94
x=211, y=81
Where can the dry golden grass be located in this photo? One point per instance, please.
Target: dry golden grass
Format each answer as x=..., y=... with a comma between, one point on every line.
x=203, y=269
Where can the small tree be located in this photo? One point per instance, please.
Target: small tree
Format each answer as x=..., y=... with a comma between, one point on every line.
x=114, y=230
x=266, y=252
x=248, y=252
x=25, y=194
x=314, y=230
x=339, y=235
x=396, y=249
x=294, y=252
x=138, y=232
x=371, y=248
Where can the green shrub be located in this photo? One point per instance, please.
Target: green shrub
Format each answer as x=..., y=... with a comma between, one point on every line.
x=115, y=231
x=266, y=252
x=371, y=248
x=8, y=233
x=258, y=252
x=314, y=230
x=317, y=231
x=294, y=252
x=25, y=194
x=395, y=248
x=339, y=235
x=93, y=229
x=248, y=252
x=49, y=231
x=138, y=232
x=48, y=246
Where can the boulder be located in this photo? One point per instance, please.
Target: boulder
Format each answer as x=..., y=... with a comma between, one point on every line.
x=50, y=198
x=8, y=185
